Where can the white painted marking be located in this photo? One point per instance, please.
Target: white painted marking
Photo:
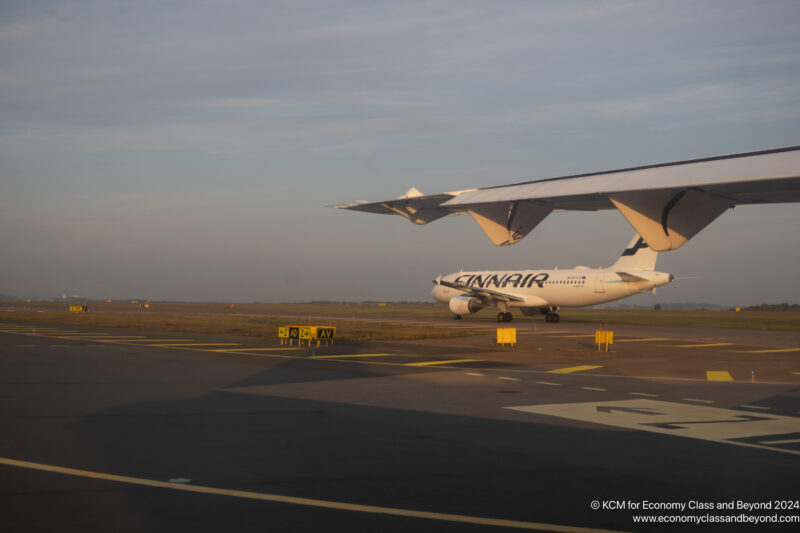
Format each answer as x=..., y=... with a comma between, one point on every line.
x=474, y=374
x=676, y=419
x=508, y=379
x=698, y=401
x=181, y=480
x=643, y=394
x=593, y=388
x=549, y=383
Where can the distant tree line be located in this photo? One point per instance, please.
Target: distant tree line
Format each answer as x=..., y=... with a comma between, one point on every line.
x=773, y=307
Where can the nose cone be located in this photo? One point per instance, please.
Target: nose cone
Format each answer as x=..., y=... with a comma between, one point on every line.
x=440, y=294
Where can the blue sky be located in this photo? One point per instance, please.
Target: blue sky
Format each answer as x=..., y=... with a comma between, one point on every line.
x=187, y=150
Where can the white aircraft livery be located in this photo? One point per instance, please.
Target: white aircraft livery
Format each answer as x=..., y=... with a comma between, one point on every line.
x=666, y=204
x=544, y=291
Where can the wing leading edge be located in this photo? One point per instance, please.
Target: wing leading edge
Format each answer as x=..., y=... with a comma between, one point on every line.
x=667, y=204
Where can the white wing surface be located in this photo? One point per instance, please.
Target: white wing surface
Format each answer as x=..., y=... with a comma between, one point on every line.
x=667, y=204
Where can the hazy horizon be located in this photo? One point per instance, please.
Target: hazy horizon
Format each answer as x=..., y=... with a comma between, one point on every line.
x=187, y=152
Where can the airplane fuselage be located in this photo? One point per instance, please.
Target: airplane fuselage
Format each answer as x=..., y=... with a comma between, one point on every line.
x=576, y=287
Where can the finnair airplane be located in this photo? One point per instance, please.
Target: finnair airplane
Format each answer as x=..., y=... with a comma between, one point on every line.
x=544, y=291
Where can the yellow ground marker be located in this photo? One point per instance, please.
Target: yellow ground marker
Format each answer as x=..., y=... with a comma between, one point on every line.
x=571, y=369
x=776, y=350
x=352, y=355
x=446, y=362
x=701, y=345
x=718, y=375
x=308, y=502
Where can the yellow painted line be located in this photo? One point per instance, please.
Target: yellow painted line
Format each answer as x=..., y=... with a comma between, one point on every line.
x=282, y=348
x=571, y=369
x=777, y=350
x=447, y=362
x=639, y=340
x=78, y=335
x=718, y=375
x=798, y=373
x=197, y=344
x=352, y=355
x=701, y=345
x=540, y=332
x=108, y=339
x=160, y=340
x=308, y=502
x=574, y=336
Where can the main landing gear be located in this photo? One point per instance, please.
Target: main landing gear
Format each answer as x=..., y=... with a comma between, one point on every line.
x=551, y=317
x=504, y=317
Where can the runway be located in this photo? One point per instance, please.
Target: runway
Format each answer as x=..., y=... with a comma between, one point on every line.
x=136, y=430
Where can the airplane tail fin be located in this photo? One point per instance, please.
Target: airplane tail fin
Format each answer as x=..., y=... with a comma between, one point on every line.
x=636, y=256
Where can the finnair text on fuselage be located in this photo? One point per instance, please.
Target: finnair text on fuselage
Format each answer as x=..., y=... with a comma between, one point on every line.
x=503, y=280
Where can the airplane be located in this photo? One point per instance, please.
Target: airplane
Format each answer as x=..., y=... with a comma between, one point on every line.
x=667, y=204
x=544, y=291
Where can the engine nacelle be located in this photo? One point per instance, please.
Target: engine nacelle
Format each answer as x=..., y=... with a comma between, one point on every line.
x=465, y=305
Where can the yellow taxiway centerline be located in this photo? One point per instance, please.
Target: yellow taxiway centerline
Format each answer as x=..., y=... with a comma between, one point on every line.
x=171, y=345
x=242, y=350
x=159, y=340
x=701, y=345
x=447, y=362
x=639, y=340
x=571, y=369
x=352, y=355
x=308, y=502
x=776, y=350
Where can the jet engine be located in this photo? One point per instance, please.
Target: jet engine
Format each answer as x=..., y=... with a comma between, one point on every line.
x=465, y=305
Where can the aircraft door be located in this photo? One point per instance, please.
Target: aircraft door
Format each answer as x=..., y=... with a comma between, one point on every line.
x=599, y=282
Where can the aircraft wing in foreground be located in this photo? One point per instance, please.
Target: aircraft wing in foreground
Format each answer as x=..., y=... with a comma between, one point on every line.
x=667, y=204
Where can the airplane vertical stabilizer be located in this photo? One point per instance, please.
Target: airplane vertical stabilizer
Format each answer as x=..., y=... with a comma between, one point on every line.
x=636, y=256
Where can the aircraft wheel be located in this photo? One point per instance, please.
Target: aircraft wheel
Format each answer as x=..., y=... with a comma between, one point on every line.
x=556, y=318
x=508, y=317
x=457, y=317
x=501, y=317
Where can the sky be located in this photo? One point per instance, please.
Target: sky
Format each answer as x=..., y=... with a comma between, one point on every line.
x=189, y=150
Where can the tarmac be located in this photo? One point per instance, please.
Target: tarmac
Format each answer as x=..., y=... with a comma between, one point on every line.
x=132, y=430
